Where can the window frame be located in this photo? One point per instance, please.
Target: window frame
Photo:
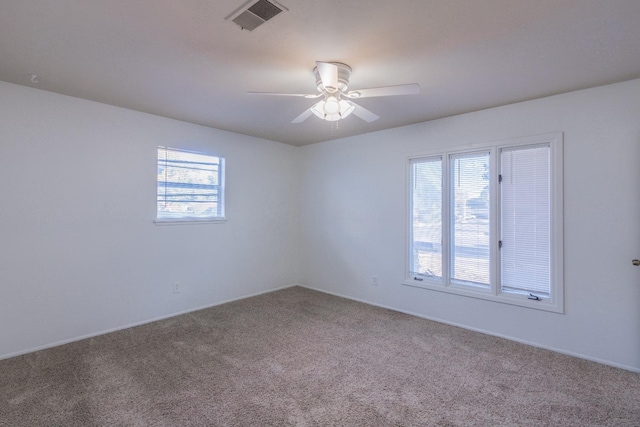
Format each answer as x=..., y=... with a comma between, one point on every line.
x=493, y=293
x=186, y=220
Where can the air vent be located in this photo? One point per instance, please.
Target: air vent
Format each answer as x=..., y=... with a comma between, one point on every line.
x=253, y=13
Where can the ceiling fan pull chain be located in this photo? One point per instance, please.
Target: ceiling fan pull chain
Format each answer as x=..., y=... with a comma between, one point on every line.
x=335, y=126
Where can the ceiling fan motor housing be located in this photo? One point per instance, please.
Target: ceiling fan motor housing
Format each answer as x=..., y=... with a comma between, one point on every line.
x=344, y=72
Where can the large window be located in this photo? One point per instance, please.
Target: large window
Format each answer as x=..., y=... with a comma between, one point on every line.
x=190, y=186
x=487, y=222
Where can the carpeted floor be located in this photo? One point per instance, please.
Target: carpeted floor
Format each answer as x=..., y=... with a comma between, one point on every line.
x=297, y=357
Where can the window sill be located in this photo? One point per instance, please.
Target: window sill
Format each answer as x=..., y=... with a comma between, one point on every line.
x=504, y=298
x=188, y=221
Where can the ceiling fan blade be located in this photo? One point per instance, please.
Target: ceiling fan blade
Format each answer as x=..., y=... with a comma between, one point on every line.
x=364, y=114
x=408, y=89
x=329, y=75
x=302, y=117
x=304, y=95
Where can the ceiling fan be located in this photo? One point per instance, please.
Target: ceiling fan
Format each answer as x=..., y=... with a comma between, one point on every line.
x=332, y=81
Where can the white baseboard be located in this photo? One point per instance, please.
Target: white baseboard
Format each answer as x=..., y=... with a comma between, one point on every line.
x=131, y=325
x=533, y=344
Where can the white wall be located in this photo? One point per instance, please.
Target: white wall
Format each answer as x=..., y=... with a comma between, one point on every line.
x=79, y=252
x=353, y=220
x=80, y=255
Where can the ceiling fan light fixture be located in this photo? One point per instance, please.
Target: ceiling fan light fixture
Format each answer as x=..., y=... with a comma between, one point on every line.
x=331, y=105
x=346, y=108
x=318, y=109
x=331, y=109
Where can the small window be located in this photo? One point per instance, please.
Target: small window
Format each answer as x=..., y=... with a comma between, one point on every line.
x=190, y=186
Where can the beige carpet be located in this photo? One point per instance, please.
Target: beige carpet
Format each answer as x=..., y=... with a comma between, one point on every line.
x=302, y=358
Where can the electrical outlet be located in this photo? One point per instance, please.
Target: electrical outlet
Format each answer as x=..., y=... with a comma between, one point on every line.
x=374, y=280
x=176, y=288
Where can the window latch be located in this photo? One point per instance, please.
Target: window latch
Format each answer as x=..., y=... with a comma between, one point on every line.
x=533, y=297
x=420, y=279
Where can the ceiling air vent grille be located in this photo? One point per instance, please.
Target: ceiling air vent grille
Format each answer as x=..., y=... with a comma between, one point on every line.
x=249, y=18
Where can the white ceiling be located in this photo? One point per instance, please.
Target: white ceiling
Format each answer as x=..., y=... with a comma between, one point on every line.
x=182, y=59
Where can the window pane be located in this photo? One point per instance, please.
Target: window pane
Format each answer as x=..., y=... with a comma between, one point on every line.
x=470, y=218
x=525, y=220
x=190, y=185
x=426, y=229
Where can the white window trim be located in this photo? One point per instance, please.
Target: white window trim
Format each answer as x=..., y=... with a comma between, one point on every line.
x=188, y=221
x=493, y=293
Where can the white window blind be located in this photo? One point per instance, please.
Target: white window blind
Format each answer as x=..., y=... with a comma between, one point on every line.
x=190, y=185
x=525, y=216
x=426, y=224
x=469, y=177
